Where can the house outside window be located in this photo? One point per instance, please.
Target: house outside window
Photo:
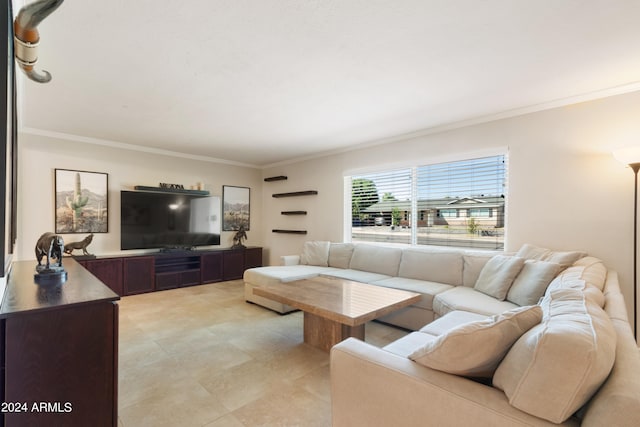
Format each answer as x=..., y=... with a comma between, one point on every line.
x=460, y=204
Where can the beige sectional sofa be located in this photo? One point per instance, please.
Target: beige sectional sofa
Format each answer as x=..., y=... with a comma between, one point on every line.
x=538, y=338
x=445, y=278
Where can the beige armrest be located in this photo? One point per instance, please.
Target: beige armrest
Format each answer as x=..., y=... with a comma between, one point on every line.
x=290, y=259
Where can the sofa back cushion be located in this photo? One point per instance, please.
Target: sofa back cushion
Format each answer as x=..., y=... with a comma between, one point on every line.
x=376, y=259
x=432, y=265
x=315, y=253
x=589, y=269
x=340, y=255
x=555, y=367
x=587, y=275
x=473, y=263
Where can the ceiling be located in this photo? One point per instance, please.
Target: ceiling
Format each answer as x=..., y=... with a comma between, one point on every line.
x=259, y=82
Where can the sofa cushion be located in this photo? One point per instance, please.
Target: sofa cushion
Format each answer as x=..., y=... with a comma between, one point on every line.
x=475, y=349
x=586, y=277
x=468, y=299
x=432, y=265
x=474, y=262
x=315, y=253
x=532, y=281
x=427, y=289
x=340, y=255
x=565, y=259
x=589, y=269
x=554, y=368
x=376, y=259
x=498, y=274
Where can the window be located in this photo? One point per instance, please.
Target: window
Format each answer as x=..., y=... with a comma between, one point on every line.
x=448, y=213
x=457, y=204
x=480, y=213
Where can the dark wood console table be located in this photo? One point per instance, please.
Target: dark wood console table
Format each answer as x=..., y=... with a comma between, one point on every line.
x=135, y=274
x=59, y=355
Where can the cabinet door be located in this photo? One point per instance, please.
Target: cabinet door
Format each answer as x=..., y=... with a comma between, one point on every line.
x=252, y=258
x=66, y=357
x=109, y=271
x=190, y=278
x=211, y=267
x=139, y=275
x=232, y=264
x=167, y=281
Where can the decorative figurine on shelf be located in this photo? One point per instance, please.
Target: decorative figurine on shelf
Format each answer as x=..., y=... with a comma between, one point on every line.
x=239, y=237
x=50, y=245
x=70, y=247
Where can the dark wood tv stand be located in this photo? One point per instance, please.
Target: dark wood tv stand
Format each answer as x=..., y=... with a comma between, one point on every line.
x=135, y=274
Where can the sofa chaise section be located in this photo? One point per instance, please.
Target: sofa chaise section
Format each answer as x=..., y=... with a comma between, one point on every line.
x=261, y=276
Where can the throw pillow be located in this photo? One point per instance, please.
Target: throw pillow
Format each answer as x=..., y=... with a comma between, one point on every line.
x=532, y=281
x=529, y=251
x=498, y=274
x=565, y=259
x=475, y=349
x=315, y=253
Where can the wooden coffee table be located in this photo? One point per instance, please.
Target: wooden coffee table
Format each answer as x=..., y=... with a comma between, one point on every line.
x=335, y=309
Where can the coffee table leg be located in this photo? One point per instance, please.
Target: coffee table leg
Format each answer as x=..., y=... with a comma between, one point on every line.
x=325, y=333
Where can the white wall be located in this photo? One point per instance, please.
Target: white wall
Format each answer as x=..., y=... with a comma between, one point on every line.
x=566, y=191
x=39, y=156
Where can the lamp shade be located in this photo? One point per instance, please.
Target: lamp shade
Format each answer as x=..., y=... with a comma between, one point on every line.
x=628, y=155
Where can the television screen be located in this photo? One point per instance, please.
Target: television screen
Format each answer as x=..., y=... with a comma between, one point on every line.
x=168, y=220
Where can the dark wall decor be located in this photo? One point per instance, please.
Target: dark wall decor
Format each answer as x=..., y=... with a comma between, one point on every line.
x=8, y=141
x=236, y=209
x=81, y=201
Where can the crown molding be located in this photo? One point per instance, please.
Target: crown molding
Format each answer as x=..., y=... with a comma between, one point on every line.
x=557, y=103
x=131, y=147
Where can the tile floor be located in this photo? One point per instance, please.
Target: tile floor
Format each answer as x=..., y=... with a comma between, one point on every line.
x=202, y=356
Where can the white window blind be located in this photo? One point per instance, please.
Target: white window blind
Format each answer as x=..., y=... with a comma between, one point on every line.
x=459, y=204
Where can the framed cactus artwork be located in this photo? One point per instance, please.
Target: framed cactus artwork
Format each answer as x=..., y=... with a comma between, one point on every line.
x=81, y=201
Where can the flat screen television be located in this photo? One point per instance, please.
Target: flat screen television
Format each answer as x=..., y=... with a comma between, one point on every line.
x=168, y=221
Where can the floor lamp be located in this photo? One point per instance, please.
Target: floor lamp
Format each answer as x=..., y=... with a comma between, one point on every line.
x=631, y=157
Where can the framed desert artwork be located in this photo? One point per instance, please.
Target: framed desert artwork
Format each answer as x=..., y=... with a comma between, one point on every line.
x=235, y=201
x=81, y=201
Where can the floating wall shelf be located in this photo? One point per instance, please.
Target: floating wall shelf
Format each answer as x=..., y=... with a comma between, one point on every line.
x=296, y=193
x=289, y=231
x=171, y=190
x=275, y=178
x=293, y=212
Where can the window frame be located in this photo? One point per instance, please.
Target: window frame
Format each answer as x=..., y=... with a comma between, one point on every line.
x=415, y=214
